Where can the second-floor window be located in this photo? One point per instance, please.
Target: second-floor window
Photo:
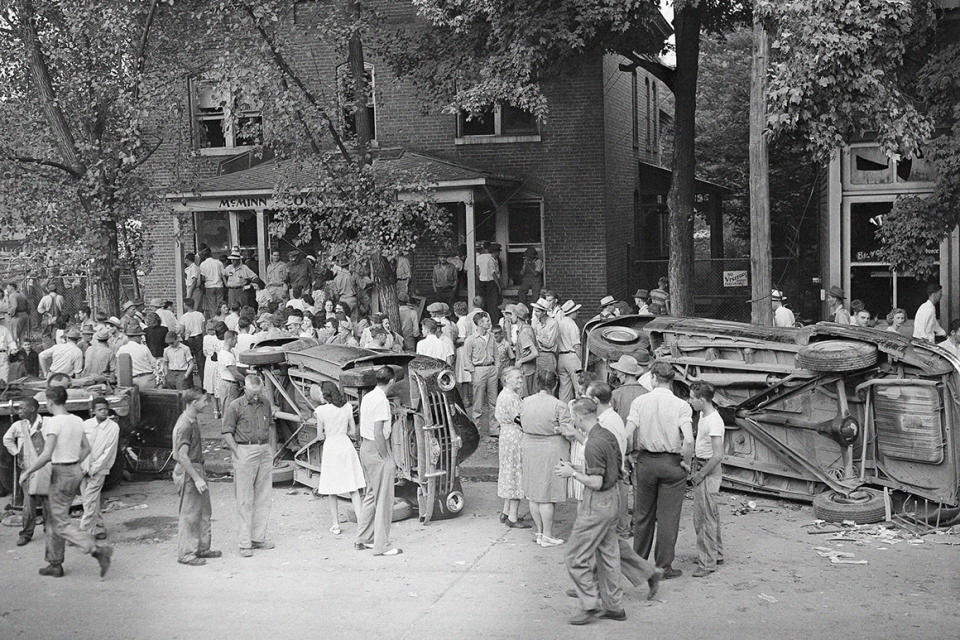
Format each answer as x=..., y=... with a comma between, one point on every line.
x=501, y=120
x=223, y=120
x=348, y=108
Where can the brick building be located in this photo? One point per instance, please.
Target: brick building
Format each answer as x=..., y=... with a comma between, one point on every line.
x=585, y=187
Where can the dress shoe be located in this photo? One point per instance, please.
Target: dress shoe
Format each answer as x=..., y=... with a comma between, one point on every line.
x=584, y=617
x=653, y=584
x=266, y=544
x=193, y=562
x=614, y=615
x=209, y=553
x=52, y=570
x=701, y=572
x=503, y=518
x=518, y=524
x=103, y=556
x=22, y=540
x=100, y=535
x=670, y=572
x=246, y=552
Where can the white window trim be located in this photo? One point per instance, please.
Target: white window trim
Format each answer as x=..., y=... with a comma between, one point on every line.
x=229, y=149
x=367, y=66
x=497, y=137
x=890, y=187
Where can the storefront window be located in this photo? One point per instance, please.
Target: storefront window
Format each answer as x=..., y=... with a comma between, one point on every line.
x=524, y=230
x=213, y=230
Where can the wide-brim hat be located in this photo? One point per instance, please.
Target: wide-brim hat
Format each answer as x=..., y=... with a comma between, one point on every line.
x=521, y=310
x=115, y=321
x=126, y=305
x=73, y=333
x=234, y=255
x=87, y=330
x=628, y=365
x=569, y=307
x=836, y=292
x=435, y=307
x=134, y=331
x=156, y=302
x=540, y=305
x=607, y=300
x=643, y=294
x=777, y=295
x=102, y=334
x=642, y=356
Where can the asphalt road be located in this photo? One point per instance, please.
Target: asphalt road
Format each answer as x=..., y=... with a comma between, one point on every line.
x=464, y=578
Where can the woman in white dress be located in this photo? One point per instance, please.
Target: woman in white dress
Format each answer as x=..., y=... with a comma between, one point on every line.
x=211, y=344
x=340, y=470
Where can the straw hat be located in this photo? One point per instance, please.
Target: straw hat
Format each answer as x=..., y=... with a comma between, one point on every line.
x=628, y=365
x=570, y=307
x=607, y=300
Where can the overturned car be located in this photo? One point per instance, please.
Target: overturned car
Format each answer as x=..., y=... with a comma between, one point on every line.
x=826, y=413
x=432, y=433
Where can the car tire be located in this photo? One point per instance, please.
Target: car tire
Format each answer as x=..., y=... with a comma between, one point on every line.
x=862, y=506
x=837, y=355
x=260, y=356
x=283, y=472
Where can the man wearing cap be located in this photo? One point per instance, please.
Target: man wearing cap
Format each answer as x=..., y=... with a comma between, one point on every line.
x=98, y=358
x=212, y=281
x=117, y=336
x=838, y=312
x=782, y=317
x=661, y=424
x=238, y=278
x=143, y=364
x=526, y=349
x=531, y=276
x=63, y=358
x=568, y=351
x=191, y=280
x=480, y=351
x=128, y=317
x=629, y=369
x=488, y=277
x=86, y=337
x=277, y=276
x=547, y=331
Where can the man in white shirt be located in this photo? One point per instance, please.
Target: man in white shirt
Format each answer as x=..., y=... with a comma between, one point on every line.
x=211, y=278
x=8, y=347
x=228, y=375
x=952, y=343
x=432, y=344
x=706, y=477
x=103, y=435
x=63, y=358
x=65, y=446
x=246, y=335
x=167, y=318
x=192, y=322
x=488, y=275
x=379, y=469
x=925, y=325
x=782, y=317
x=568, y=351
x=191, y=280
x=661, y=424
x=142, y=362
x=24, y=440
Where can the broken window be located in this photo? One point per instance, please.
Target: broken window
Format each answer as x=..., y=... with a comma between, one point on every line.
x=216, y=126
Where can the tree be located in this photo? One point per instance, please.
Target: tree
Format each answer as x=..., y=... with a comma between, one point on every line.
x=83, y=83
x=331, y=189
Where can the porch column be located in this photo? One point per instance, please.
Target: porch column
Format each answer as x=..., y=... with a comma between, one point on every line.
x=471, y=238
x=261, y=244
x=178, y=263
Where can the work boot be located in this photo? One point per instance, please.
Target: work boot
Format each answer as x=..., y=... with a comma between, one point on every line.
x=52, y=570
x=670, y=572
x=619, y=615
x=196, y=561
x=209, y=553
x=22, y=540
x=103, y=555
x=584, y=617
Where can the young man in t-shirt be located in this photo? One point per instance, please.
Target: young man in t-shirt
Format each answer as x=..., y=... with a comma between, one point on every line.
x=65, y=446
x=379, y=469
x=706, y=476
x=193, y=528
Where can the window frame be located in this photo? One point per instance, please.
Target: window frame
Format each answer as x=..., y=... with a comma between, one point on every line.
x=635, y=111
x=497, y=137
x=341, y=101
x=225, y=116
x=520, y=247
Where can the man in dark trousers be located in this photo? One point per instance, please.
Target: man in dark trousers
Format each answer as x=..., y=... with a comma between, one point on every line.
x=379, y=469
x=661, y=424
x=593, y=550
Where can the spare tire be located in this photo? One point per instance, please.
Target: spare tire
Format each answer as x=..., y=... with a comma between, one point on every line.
x=283, y=472
x=837, y=355
x=863, y=506
x=262, y=356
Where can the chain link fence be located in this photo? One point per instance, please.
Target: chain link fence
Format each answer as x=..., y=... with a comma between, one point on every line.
x=721, y=286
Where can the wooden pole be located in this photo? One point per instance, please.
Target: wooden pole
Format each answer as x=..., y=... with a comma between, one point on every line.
x=761, y=280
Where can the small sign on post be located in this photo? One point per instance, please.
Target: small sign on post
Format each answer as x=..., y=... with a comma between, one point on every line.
x=736, y=278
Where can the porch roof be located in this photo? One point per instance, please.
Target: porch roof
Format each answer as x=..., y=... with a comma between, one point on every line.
x=441, y=174
x=657, y=180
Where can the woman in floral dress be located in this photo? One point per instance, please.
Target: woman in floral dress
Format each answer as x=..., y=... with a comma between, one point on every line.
x=507, y=414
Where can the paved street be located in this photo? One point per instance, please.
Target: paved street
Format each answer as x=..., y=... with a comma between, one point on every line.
x=469, y=577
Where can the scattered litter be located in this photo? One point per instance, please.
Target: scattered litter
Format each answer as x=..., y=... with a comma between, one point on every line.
x=750, y=506
x=12, y=520
x=461, y=562
x=880, y=533
x=839, y=557
x=767, y=598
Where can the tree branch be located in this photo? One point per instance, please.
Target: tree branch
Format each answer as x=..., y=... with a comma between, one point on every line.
x=44, y=163
x=142, y=48
x=135, y=165
x=288, y=70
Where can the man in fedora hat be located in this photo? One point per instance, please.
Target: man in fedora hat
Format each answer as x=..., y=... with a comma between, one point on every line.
x=143, y=364
x=568, y=351
x=642, y=299
x=238, y=277
x=547, y=331
x=531, y=275
x=838, y=313
x=782, y=317
x=608, y=308
x=63, y=358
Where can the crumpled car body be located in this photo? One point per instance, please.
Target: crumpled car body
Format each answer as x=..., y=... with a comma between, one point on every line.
x=826, y=406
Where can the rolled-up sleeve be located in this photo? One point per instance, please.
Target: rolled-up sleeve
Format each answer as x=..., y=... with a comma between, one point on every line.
x=229, y=420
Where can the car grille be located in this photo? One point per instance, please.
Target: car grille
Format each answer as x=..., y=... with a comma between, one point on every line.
x=908, y=423
x=439, y=442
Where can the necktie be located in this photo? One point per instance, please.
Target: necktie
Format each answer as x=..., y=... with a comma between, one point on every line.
x=37, y=438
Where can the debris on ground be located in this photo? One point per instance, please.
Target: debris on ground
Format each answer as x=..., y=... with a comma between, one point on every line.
x=838, y=557
x=885, y=534
x=116, y=504
x=767, y=598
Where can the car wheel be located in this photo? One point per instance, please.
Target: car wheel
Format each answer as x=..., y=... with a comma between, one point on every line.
x=283, y=472
x=837, y=355
x=261, y=356
x=862, y=506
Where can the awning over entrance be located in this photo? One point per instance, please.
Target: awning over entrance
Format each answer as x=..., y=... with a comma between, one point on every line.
x=656, y=179
x=232, y=209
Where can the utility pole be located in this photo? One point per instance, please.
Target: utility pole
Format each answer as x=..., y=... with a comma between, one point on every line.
x=761, y=279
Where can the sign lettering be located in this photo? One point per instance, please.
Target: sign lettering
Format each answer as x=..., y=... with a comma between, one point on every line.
x=243, y=203
x=735, y=278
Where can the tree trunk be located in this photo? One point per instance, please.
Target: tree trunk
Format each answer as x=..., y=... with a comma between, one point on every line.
x=361, y=90
x=761, y=280
x=107, y=273
x=680, y=200
x=385, y=283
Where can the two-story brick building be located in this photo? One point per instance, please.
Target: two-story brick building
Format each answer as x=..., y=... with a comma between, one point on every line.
x=584, y=187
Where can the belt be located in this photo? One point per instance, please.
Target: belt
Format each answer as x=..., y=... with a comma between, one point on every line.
x=563, y=353
x=489, y=364
x=229, y=381
x=263, y=441
x=65, y=464
x=659, y=453
x=140, y=375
